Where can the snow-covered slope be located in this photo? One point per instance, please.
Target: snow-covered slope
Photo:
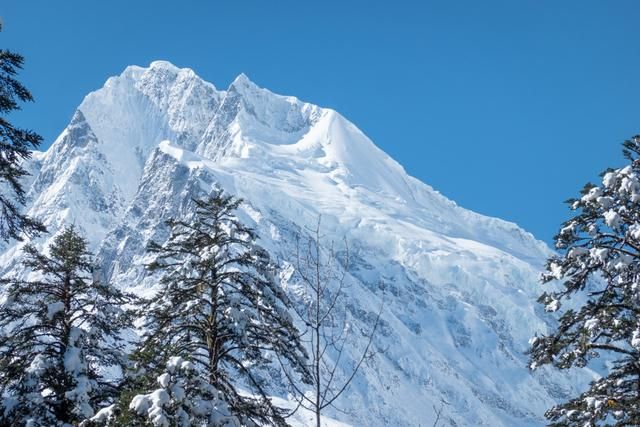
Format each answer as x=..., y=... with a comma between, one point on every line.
x=459, y=288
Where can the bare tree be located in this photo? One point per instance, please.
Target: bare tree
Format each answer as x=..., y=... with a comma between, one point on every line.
x=327, y=330
x=438, y=411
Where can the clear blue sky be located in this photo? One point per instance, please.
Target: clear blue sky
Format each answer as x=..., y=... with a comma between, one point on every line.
x=506, y=107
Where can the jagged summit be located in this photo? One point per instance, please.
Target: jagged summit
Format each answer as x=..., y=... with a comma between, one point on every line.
x=460, y=288
x=242, y=81
x=167, y=66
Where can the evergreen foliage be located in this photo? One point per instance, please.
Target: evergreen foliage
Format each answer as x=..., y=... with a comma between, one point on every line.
x=219, y=308
x=183, y=397
x=15, y=146
x=600, y=269
x=59, y=334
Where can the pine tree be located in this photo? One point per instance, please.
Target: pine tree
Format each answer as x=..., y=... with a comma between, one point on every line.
x=220, y=308
x=600, y=269
x=15, y=147
x=59, y=334
x=183, y=397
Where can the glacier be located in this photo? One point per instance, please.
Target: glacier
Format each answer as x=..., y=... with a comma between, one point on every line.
x=459, y=288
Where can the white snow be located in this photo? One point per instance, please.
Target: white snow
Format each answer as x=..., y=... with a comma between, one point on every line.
x=140, y=404
x=552, y=306
x=174, y=363
x=104, y=415
x=592, y=195
x=556, y=270
x=634, y=231
x=609, y=179
x=577, y=252
x=460, y=288
x=612, y=219
x=163, y=380
x=599, y=254
x=635, y=339
x=53, y=308
x=591, y=324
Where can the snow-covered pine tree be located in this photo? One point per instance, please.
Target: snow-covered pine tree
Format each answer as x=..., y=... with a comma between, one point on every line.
x=15, y=146
x=220, y=308
x=600, y=268
x=59, y=335
x=184, y=398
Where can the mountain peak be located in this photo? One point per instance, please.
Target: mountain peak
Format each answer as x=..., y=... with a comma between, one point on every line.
x=166, y=65
x=458, y=285
x=242, y=84
x=242, y=78
x=158, y=70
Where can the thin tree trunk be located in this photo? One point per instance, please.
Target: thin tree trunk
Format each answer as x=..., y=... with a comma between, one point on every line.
x=317, y=326
x=317, y=362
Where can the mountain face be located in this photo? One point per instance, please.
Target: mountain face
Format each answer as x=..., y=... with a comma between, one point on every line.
x=458, y=288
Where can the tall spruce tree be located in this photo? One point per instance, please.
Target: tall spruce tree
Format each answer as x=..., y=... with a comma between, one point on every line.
x=59, y=335
x=599, y=267
x=220, y=309
x=15, y=146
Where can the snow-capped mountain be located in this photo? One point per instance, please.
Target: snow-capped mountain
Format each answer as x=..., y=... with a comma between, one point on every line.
x=459, y=288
